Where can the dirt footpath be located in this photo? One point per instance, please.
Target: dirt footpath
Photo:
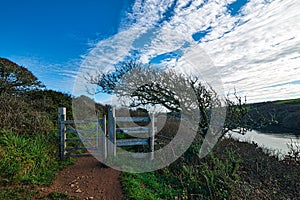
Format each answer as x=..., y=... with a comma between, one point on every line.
x=88, y=179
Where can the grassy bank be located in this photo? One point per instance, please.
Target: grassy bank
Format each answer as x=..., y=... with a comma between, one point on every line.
x=26, y=162
x=28, y=141
x=234, y=170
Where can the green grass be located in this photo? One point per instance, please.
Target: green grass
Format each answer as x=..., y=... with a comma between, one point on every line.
x=146, y=186
x=17, y=193
x=57, y=196
x=28, y=159
x=288, y=101
x=212, y=178
x=234, y=170
x=28, y=193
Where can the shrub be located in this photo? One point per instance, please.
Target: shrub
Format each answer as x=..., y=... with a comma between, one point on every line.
x=18, y=116
x=212, y=178
x=293, y=153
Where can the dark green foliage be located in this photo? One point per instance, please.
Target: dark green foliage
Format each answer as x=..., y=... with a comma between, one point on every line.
x=20, y=116
x=57, y=196
x=237, y=117
x=293, y=155
x=220, y=176
x=25, y=106
x=15, y=79
x=49, y=101
x=235, y=170
x=212, y=178
x=17, y=193
x=277, y=116
x=33, y=111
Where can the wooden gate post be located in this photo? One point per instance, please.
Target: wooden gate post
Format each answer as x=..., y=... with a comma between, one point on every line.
x=152, y=136
x=112, y=132
x=62, y=116
x=103, y=138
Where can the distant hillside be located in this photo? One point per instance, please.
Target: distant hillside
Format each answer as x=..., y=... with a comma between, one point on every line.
x=285, y=112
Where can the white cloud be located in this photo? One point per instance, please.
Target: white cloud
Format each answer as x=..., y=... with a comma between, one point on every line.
x=47, y=72
x=251, y=51
x=259, y=53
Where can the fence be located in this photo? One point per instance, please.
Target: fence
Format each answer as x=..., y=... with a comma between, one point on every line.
x=83, y=137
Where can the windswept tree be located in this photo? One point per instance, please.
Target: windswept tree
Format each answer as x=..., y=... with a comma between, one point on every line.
x=144, y=85
x=15, y=79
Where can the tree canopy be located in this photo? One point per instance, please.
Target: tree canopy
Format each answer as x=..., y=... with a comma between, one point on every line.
x=15, y=79
x=144, y=85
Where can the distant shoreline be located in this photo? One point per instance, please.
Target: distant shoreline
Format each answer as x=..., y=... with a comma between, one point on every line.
x=285, y=114
x=278, y=131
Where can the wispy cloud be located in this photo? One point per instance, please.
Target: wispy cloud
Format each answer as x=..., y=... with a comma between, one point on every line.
x=259, y=53
x=254, y=50
x=48, y=73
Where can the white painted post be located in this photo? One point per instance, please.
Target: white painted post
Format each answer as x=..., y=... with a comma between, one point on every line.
x=103, y=138
x=98, y=131
x=152, y=136
x=112, y=132
x=62, y=116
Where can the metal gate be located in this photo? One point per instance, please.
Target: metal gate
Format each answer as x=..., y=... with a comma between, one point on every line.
x=90, y=137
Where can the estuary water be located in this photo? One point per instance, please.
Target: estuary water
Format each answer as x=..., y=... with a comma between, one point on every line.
x=276, y=142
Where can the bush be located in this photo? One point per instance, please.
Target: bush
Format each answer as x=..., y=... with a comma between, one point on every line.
x=18, y=116
x=212, y=178
x=293, y=155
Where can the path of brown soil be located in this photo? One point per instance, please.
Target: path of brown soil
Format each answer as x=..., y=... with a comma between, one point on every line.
x=87, y=179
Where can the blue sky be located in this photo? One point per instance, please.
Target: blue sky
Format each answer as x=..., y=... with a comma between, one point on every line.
x=49, y=37
x=250, y=45
x=54, y=29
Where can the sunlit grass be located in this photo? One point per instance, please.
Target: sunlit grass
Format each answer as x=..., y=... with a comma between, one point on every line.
x=28, y=159
x=288, y=101
x=213, y=178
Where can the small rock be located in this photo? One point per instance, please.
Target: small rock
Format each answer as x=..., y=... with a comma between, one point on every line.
x=91, y=198
x=74, y=181
x=78, y=191
x=72, y=185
